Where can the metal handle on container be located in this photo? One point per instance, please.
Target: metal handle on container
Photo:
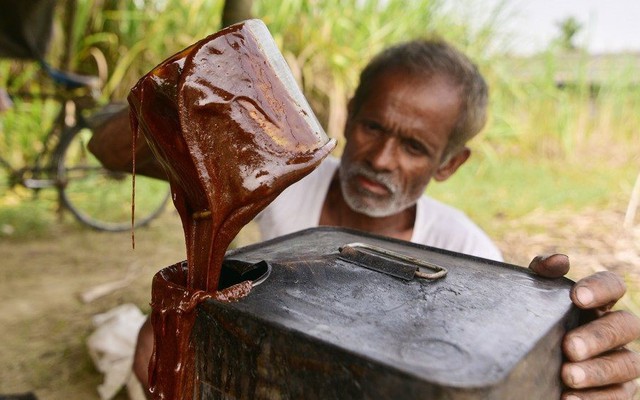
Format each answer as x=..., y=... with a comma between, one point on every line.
x=409, y=269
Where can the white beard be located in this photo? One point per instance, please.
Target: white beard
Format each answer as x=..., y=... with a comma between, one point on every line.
x=371, y=204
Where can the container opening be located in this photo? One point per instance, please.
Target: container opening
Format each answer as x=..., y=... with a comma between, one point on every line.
x=236, y=271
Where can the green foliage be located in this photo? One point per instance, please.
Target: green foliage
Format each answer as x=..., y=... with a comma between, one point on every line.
x=516, y=186
x=23, y=130
x=556, y=107
x=22, y=215
x=327, y=42
x=135, y=36
x=569, y=28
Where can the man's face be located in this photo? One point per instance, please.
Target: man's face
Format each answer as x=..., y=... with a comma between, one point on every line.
x=395, y=142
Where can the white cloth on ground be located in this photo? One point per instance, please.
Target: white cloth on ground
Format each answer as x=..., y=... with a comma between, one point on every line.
x=111, y=347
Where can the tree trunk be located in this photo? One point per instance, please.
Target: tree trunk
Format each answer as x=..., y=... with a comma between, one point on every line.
x=68, y=19
x=236, y=11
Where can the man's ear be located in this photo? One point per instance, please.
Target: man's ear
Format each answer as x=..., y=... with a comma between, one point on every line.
x=452, y=164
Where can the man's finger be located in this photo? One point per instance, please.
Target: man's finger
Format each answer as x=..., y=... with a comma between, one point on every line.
x=600, y=290
x=624, y=391
x=613, y=330
x=615, y=367
x=553, y=266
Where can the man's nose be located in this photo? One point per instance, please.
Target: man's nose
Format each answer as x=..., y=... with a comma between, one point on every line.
x=384, y=156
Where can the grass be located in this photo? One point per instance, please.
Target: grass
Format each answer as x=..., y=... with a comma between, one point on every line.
x=490, y=191
x=23, y=215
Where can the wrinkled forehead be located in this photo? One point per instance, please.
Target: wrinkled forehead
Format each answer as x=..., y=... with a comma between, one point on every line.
x=402, y=80
x=435, y=93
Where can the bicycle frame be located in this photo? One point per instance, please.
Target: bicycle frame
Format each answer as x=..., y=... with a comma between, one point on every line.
x=93, y=194
x=41, y=173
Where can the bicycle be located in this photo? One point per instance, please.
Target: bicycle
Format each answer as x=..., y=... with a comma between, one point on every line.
x=96, y=196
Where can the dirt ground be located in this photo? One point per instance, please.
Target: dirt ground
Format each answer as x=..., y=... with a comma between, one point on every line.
x=44, y=322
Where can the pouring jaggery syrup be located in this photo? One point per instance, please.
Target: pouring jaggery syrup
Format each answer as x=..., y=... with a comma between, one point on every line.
x=229, y=125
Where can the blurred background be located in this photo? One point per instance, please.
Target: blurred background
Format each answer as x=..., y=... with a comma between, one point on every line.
x=553, y=171
x=563, y=129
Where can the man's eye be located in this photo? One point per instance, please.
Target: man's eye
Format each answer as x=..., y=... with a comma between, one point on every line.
x=372, y=127
x=415, y=148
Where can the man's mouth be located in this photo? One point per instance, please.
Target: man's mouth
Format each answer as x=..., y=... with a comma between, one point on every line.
x=373, y=186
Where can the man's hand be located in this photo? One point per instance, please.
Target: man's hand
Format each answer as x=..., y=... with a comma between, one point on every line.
x=142, y=355
x=598, y=366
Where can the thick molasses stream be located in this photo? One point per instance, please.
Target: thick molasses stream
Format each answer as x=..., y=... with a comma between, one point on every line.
x=232, y=130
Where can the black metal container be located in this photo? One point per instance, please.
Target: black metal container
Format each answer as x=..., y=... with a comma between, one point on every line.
x=360, y=323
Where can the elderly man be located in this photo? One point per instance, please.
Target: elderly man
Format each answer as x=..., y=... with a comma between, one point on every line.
x=412, y=114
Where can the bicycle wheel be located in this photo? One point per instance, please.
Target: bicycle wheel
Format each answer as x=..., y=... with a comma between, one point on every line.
x=99, y=197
